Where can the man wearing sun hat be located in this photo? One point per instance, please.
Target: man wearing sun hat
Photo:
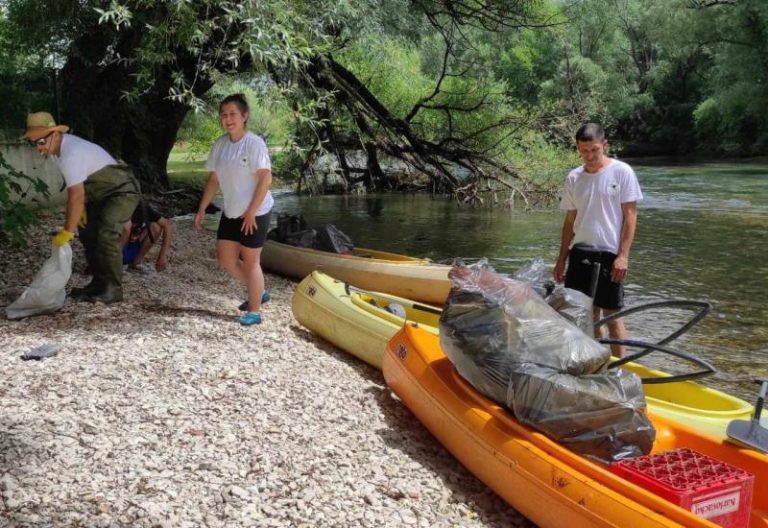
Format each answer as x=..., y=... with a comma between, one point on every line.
x=100, y=190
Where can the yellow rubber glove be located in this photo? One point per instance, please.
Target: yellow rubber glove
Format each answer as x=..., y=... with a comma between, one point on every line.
x=63, y=237
x=83, y=219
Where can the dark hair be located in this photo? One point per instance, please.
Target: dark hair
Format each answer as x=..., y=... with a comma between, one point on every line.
x=239, y=100
x=590, y=132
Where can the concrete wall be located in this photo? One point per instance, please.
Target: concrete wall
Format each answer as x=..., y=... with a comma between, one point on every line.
x=24, y=158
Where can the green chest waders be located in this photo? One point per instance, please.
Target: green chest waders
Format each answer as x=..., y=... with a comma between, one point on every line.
x=111, y=195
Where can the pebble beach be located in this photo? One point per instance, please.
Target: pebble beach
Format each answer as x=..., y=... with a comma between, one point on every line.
x=163, y=411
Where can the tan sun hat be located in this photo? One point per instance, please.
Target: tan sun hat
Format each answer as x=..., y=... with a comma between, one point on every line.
x=40, y=124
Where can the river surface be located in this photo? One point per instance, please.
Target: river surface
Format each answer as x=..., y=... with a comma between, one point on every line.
x=702, y=235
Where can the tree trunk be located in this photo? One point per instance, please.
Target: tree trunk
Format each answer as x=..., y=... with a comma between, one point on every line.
x=141, y=133
x=338, y=150
x=374, y=174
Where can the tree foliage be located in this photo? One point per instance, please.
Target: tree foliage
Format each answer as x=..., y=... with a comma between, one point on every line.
x=671, y=76
x=463, y=90
x=16, y=213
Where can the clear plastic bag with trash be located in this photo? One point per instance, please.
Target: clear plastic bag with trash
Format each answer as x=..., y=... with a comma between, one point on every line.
x=512, y=346
x=47, y=292
x=571, y=304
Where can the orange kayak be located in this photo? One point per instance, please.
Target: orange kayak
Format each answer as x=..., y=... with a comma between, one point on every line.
x=544, y=481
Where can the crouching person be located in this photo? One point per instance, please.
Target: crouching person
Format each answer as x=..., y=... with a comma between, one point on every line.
x=146, y=227
x=101, y=195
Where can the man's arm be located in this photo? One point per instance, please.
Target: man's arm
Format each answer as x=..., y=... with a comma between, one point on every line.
x=125, y=235
x=565, y=241
x=75, y=206
x=621, y=264
x=167, y=228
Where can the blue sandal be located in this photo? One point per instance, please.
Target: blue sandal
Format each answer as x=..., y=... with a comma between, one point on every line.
x=250, y=318
x=246, y=305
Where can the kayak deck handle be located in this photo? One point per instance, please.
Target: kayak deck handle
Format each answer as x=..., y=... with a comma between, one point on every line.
x=707, y=368
x=702, y=307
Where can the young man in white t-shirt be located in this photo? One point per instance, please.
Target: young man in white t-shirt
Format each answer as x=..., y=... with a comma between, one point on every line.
x=101, y=195
x=600, y=203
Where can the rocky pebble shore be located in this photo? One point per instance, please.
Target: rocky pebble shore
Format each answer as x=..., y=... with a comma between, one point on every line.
x=163, y=411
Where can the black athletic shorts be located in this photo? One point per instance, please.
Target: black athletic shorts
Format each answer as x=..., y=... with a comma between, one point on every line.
x=609, y=294
x=229, y=229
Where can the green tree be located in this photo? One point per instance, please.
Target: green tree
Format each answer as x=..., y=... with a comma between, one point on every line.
x=451, y=116
x=635, y=65
x=133, y=69
x=732, y=117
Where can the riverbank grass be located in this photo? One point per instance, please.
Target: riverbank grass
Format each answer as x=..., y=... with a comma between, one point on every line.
x=187, y=167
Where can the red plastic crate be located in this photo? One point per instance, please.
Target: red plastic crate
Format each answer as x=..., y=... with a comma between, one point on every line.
x=712, y=489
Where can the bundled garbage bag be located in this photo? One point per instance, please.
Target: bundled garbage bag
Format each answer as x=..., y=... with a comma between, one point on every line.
x=305, y=238
x=492, y=323
x=47, y=292
x=504, y=338
x=538, y=275
x=575, y=306
x=331, y=238
x=286, y=225
x=596, y=415
x=571, y=304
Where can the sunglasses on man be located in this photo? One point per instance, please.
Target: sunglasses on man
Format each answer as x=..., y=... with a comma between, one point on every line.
x=39, y=142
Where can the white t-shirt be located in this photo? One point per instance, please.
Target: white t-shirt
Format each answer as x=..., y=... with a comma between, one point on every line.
x=80, y=158
x=235, y=165
x=597, y=198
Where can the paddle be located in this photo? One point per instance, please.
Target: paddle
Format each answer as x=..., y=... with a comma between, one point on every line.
x=751, y=433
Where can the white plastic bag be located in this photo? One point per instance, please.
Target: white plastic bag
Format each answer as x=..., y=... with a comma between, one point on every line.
x=47, y=292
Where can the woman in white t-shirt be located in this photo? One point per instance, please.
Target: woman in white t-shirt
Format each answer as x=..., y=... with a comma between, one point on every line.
x=239, y=165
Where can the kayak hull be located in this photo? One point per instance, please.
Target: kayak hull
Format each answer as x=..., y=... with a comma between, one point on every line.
x=399, y=275
x=345, y=317
x=354, y=321
x=545, y=482
x=707, y=410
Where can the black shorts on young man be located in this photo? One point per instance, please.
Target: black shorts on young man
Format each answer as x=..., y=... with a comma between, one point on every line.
x=581, y=260
x=231, y=229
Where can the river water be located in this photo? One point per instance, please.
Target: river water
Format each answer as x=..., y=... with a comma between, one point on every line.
x=702, y=235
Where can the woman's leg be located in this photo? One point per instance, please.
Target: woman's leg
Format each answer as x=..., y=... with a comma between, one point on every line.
x=253, y=276
x=243, y=264
x=228, y=255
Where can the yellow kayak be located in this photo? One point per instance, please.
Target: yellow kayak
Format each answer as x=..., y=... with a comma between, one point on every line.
x=546, y=482
x=691, y=403
x=400, y=275
x=357, y=321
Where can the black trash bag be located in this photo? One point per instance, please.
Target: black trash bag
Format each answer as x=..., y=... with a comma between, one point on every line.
x=286, y=226
x=495, y=329
x=305, y=238
x=601, y=416
x=571, y=304
x=331, y=238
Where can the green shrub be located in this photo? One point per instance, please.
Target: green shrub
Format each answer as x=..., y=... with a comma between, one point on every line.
x=15, y=216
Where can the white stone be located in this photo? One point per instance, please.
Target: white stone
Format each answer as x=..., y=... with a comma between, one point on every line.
x=163, y=411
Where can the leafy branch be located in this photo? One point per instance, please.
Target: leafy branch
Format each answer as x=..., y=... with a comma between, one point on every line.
x=15, y=216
